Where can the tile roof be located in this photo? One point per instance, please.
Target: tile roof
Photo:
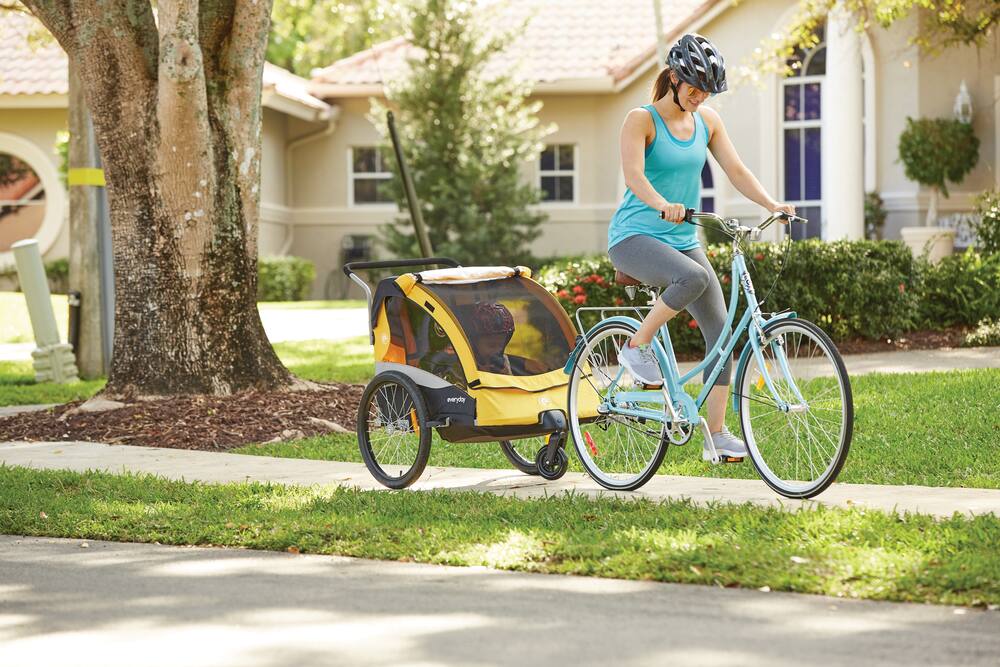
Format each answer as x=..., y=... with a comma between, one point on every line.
x=29, y=66
x=564, y=40
x=288, y=85
x=37, y=66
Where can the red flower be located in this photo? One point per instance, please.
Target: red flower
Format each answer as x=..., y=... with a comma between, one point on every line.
x=712, y=253
x=725, y=280
x=902, y=288
x=759, y=256
x=601, y=281
x=594, y=278
x=581, y=299
x=693, y=324
x=562, y=294
x=619, y=301
x=578, y=289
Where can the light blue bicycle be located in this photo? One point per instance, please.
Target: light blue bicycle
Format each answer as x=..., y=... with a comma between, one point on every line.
x=790, y=391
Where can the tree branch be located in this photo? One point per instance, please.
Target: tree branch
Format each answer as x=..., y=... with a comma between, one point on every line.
x=215, y=22
x=57, y=17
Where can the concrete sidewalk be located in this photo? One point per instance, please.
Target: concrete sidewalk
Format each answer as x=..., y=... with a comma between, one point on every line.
x=141, y=604
x=179, y=464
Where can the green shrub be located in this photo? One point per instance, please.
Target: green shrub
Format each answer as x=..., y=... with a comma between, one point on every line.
x=937, y=150
x=57, y=272
x=284, y=278
x=987, y=332
x=960, y=289
x=875, y=215
x=849, y=288
x=987, y=228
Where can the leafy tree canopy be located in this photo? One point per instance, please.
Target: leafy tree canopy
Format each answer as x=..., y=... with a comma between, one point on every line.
x=943, y=24
x=306, y=34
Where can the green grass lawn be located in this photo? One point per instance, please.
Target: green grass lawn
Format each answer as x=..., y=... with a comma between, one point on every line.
x=18, y=387
x=15, y=325
x=342, y=361
x=851, y=553
x=932, y=429
x=311, y=305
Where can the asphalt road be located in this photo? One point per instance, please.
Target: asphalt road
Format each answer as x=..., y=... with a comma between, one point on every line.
x=130, y=604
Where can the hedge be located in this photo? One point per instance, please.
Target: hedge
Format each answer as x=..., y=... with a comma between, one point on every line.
x=867, y=289
x=284, y=278
x=961, y=289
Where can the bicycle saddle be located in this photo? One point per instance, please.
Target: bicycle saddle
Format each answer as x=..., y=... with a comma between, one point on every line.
x=622, y=278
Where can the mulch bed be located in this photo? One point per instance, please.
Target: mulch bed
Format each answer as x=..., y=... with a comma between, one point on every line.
x=196, y=422
x=912, y=340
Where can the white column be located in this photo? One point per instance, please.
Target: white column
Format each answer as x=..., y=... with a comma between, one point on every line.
x=843, y=130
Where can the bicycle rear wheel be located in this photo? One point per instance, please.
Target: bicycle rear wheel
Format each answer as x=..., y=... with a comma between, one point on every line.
x=620, y=452
x=797, y=451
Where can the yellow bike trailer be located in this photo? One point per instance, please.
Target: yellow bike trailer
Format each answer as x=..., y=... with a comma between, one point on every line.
x=475, y=353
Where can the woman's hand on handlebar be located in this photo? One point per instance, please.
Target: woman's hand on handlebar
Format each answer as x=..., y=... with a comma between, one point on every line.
x=778, y=207
x=673, y=212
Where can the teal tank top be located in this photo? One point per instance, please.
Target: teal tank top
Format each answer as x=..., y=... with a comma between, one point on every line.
x=673, y=167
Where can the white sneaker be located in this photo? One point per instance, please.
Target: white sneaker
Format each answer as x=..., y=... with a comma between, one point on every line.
x=641, y=362
x=726, y=445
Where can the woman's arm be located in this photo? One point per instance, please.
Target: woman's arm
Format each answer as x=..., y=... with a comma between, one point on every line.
x=637, y=128
x=740, y=176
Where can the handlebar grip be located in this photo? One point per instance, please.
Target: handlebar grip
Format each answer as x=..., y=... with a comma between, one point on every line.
x=350, y=267
x=687, y=215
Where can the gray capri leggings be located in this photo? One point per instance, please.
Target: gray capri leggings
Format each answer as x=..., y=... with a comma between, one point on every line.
x=689, y=283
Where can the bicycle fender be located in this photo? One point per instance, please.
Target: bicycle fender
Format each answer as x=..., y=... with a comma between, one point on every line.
x=581, y=340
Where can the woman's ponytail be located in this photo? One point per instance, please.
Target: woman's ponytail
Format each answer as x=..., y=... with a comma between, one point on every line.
x=662, y=85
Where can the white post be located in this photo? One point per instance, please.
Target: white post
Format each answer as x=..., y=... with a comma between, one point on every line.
x=661, y=45
x=53, y=360
x=843, y=130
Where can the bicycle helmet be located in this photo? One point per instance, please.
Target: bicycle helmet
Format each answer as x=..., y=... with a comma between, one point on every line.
x=697, y=63
x=492, y=318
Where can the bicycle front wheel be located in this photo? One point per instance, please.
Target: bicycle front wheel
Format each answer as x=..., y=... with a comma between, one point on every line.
x=797, y=430
x=621, y=452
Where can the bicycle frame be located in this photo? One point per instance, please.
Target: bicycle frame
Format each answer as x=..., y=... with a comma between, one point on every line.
x=672, y=394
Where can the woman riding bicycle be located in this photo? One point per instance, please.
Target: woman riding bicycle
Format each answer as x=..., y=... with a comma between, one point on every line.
x=663, y=149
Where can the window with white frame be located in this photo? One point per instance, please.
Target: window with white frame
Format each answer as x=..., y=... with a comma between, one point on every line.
x=802, y=128
x=557, y=173
x=369, y=177
x=707, y=189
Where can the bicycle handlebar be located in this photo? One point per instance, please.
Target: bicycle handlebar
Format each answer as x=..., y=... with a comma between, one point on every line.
x=690, y=215
x=351, y=267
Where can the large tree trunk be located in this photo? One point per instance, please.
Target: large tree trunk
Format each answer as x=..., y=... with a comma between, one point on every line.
x=177, y=114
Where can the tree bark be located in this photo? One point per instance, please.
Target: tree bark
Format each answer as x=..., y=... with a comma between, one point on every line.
x=177, y=114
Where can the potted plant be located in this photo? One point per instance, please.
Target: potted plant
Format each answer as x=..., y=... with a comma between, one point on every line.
x=875, y=215
x=935, y=151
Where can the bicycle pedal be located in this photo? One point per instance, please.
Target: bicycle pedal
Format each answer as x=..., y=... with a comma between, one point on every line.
x=650, y=387
x=731, y=459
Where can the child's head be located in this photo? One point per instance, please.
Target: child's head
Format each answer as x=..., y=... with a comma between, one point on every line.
x=492, y=328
